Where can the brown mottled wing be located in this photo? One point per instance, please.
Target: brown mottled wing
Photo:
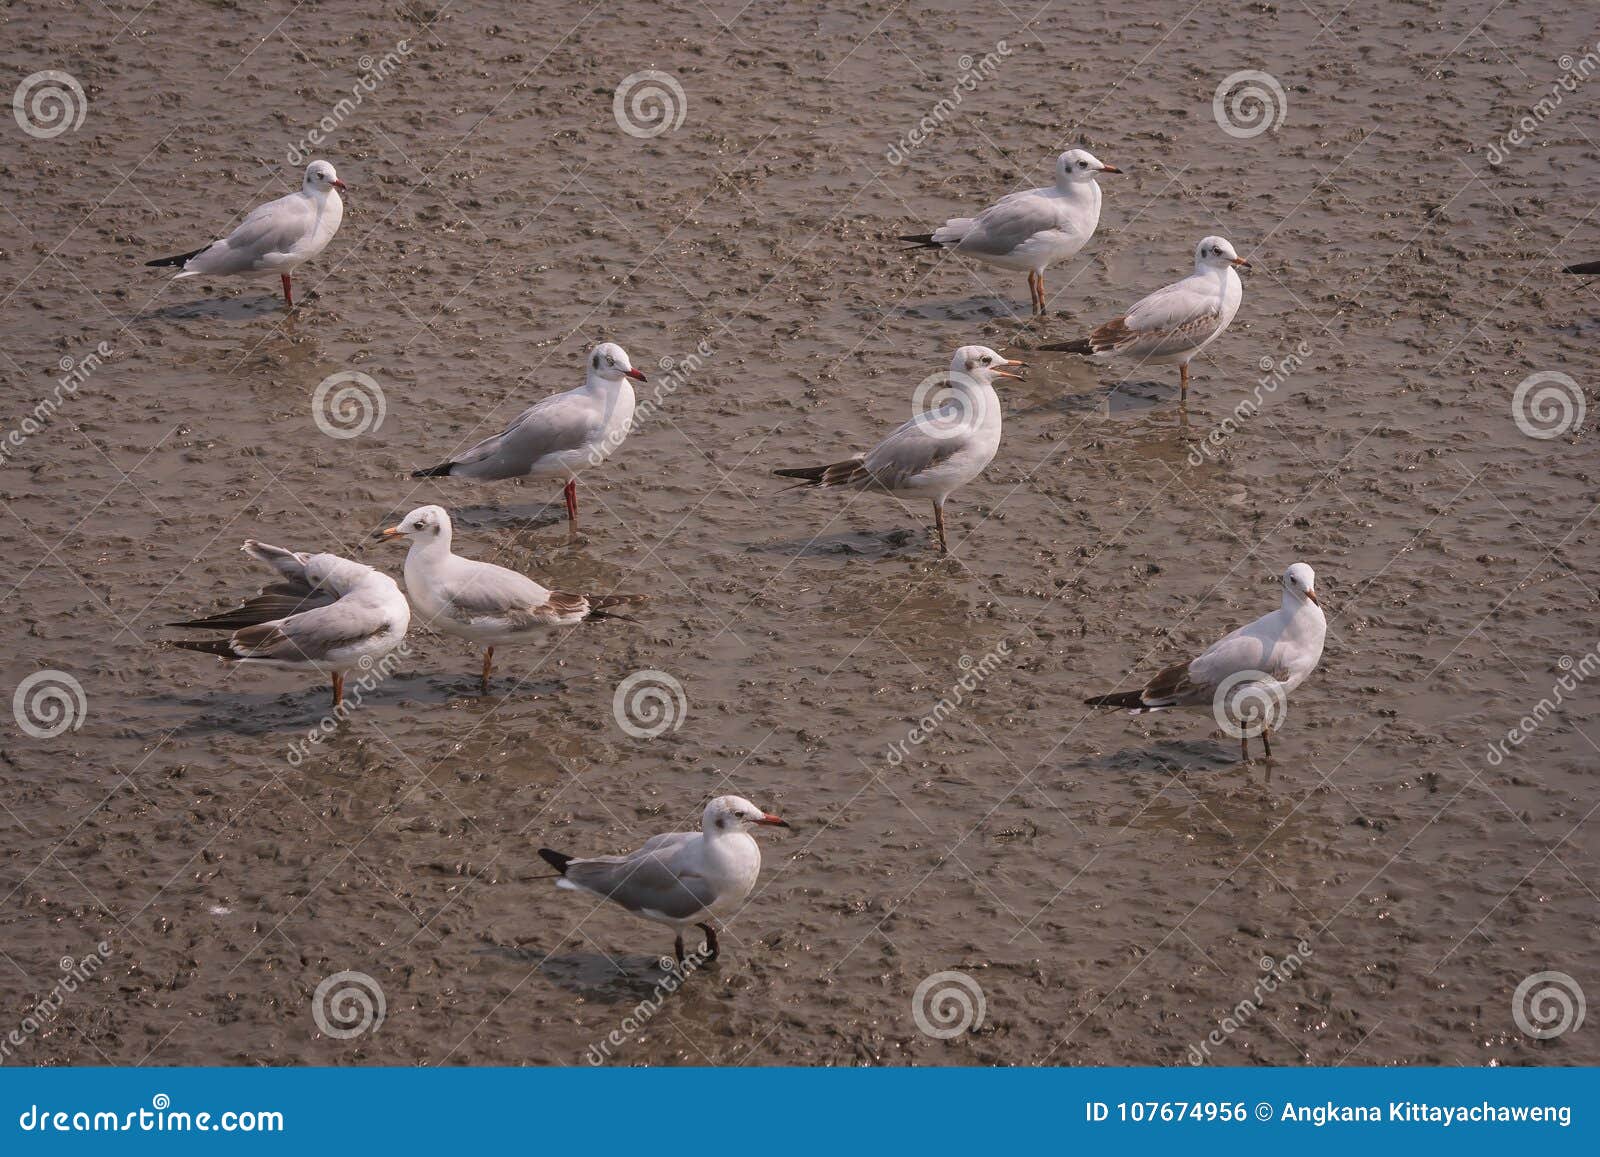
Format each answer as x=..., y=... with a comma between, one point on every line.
x=1171, y=684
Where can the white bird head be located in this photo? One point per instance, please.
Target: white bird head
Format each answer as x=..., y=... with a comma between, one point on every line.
x=1217, y=253
x=609, y=361
x=320, y=177
x=1300, y=584
x=728, y=813
x=982, y=364
x=425, y=524
x=1077, y=165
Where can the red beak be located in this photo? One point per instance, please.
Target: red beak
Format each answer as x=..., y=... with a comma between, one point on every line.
x=338, y=183
x=773, y=820
x=638, y=375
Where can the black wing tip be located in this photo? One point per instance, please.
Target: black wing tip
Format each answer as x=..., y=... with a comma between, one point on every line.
x=805, y=473
x=177, y=258
x=601, y=606
x=557, y=860
x=920, y=241
x=440, y=471
x=1117, y=699
x=1078, y=345
x=1584, y=267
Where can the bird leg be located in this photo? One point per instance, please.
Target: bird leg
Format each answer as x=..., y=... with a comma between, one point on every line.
x=938, y=521
x=710, y=946
x=1244, y=750
x=1036, y=283
x=488, y=662
x=288, y=295
x=571, y=495
x=1266, y=740
x=1183, y=381
x=677, y=948
x=338, y=689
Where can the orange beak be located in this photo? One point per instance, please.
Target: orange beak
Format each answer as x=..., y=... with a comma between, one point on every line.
x=1239, y=263
x=388, y=534
x=773, y=821
x=1109, y=169
x=1014, y=365
x=1312, y=595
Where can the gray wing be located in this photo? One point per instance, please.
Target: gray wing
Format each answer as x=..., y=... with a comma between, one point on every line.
x=293, y=595
x=482, y=588
x=645, y=881
x=916, y=446
x=291, y=564
x=1005, y=225
x=276, y=227
x=550, y=426
x=311, y=635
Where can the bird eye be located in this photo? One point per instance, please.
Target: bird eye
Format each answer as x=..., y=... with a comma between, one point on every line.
x=983, y=361
x=1083, y=164
x=611, y=361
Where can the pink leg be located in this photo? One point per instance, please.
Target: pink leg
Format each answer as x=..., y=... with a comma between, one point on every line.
x=571, y=495
x=288, y=295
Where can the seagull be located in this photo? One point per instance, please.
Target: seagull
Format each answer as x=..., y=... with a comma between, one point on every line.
x=276, y=237
x=1584, y=267
x=480, y=601
x=328, y=614
x=1030, y=229
x=560, y=435
x=679, y=878
x=937, y=451
x=1265, y=660
x=1176, y=322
